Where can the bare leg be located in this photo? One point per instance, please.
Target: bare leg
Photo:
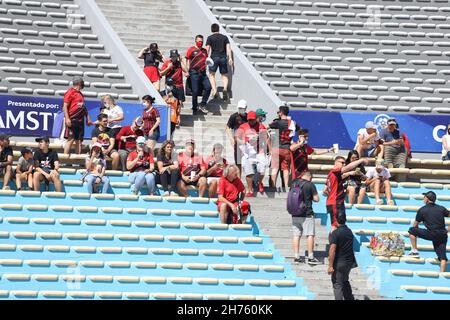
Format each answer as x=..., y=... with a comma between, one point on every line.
x=296, y=245
x=249, y=183
x=223, y=213
x=157, y=85
x=274, y=177
x=77, y=146
x=361, y=195
x=310, y=246
x=8, y=176
x=212, y=190
x=286, y=179
x=115, y=161
x=225, y=80
x=68, y=146
x=351, y=195
x=443, y=265
x=182, y=188
x=202, y=185
x=387, y=190
x=57, y=181
x=413, y=240
x=19, y=178
x=212, y=80
x=376, y=189
x=37, y=177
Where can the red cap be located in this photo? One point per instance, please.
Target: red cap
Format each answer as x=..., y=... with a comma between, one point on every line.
x=251, y=115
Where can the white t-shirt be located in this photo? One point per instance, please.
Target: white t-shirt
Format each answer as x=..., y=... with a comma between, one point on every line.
x=363, y=132
x=446, y=138
x=372, y=173
x=113, y=113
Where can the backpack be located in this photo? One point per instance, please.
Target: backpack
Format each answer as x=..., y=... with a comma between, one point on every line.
x=295, y=203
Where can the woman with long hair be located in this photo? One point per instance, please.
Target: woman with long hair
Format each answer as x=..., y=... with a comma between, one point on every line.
x=168, y=169
x=216, y=164
x=95, y=169
x=354, y=181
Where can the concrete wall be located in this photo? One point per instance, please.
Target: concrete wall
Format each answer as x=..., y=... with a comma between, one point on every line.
x=246, y=83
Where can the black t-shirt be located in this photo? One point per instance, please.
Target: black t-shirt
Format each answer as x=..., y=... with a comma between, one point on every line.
x=162, y=157
x=152, y=59
x=45, y=160
x=342, y=237
x=102, y=136
x=432, y=216
x=218, y=43
x=8, y=151
x=284, y=138
x=308, y=191
x=236, y=119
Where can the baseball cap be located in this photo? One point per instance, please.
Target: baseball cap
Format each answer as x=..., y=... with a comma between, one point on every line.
x=370, y=125
x=190, y=141
x=174, y=53
x=153, y=45
x=430, y=195
x=96, y=145
x=242, y=104
x=260, y=112
x=251, y=115
x=391, y=121
x=140, y=140
x=4, y=137
x=26, y=150
x=46, y=139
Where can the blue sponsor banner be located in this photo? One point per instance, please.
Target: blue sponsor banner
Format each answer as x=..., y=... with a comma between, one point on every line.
x=326, y=128
x=37, y=116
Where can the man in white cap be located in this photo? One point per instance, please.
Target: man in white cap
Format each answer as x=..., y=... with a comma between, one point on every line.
x=234, y=122
x=378, y=182
x=368, y=141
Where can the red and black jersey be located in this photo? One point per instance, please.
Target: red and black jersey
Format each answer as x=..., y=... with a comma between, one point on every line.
x=175, y=73
x=197, y=58
x=285, y=134
x=335, y=185
x=299, y=161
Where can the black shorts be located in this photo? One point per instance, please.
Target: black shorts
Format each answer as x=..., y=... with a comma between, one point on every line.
x=221, y=63
x=178, y=92
x=334, y=211
x=439, y=239
x=75, y=131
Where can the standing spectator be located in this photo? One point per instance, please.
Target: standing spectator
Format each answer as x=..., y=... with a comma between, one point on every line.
x=152, y=58
x=175, y=108
x=300, y=151
x=96, y=169
x=168, y=168
x=341, y=258
x=281, y=155
x=46, y=166
x=74, y=113
x=152, y=120
x=102, y=135
x=433, y=217
x=253, y=140
x=368, y=141
x=378, y=182
x=218, y=46
x=354, y=183
x=192, y=169
x=142, y=166
x=446, y=145
x=127, y=140
x=216, y=164
x=6, y=160
x=234, y=122
x=173, y=70
x=305, y=224
x=261, y=117
x=393, y=145
x=334, y=188
x=230, y=190
x=114, y=113
x=196, y=60
x=25, y=169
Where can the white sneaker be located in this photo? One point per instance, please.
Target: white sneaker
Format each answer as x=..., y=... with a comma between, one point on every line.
x=173, y=194
x=166, y=194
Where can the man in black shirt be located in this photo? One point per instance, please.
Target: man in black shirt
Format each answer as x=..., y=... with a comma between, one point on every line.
x=234, y=122
x=306, y=224
x=218, y=46
x=433, y=217
x=47, y=166
x=341, y=258
x=102, y=135
x=6, y=160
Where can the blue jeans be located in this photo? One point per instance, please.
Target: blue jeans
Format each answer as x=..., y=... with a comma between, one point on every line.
x=446, y=157
x=90, y=180
x=141, y=178
x=199, y=82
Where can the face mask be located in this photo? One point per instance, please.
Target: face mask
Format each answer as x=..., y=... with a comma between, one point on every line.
x=199, y=44
x=306, y=141
x=145, y=105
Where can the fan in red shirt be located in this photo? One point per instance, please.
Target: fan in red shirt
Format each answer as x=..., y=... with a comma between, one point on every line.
x=152, y=120
x=230, y=190
x=173, y=70
x=216, y=164
x=127, y=140
x=334, y=188
x=192, y=170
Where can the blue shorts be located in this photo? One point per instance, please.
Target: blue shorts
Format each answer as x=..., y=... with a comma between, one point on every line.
x=221, y=63
x=154, y=136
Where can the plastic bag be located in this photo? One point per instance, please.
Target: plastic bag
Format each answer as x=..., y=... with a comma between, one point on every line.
x=388, y=244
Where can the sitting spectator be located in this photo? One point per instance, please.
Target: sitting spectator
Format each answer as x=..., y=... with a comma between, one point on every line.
x=152, y=58
x=114, y=112
x=230, y=190
x=6, y=160
x=368, y=141
x=152, y=120
x=378, y=182
x=300, y=151
x=168, y=169
x=25, y=169
x=446, y=145
x=142, y=166
x=192, y=169
x=393, y=145
x=234, y=122
x=102, y=135
x=216, y=163
x=355, y=178
x=127, y=140
x=254, y=142
x=433, y=217
x=95, y=169
x=46, y=166
x=175, y=108
x=173, y=70
x=74, y=113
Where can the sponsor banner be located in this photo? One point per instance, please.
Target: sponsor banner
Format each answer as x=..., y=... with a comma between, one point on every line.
x=37, y=116
x=327, y=128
